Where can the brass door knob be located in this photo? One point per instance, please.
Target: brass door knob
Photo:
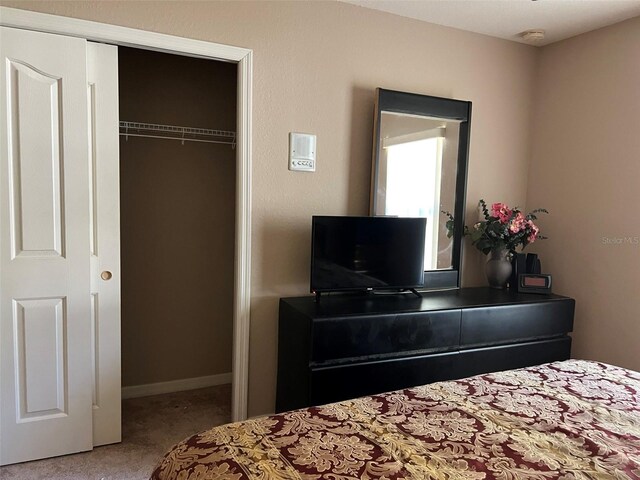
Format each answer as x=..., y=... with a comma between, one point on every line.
x=106, y=275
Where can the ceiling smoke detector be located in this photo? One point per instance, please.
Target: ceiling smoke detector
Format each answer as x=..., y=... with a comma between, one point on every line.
x=533, y=36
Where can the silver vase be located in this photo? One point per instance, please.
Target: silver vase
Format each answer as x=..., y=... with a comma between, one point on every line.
x=498, y=268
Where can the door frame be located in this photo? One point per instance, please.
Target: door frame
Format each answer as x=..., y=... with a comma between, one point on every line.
x=130, y=37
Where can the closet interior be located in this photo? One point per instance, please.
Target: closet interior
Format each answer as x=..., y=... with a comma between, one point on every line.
x=177, y=213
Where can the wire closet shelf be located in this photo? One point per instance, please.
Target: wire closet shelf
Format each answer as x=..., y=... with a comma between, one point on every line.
x=173, y=132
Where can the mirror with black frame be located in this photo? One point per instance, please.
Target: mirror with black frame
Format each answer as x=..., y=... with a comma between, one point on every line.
x=420, y=156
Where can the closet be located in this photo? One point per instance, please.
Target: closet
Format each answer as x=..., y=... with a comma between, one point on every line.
x=177, y=208
x=63, y=223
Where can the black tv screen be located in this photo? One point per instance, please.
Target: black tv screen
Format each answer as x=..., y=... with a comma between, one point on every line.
x=366, y=253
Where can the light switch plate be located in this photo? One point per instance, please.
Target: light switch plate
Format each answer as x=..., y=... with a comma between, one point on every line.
x=302, y=152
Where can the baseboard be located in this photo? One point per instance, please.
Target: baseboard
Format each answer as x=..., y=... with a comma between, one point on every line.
x=135, y=391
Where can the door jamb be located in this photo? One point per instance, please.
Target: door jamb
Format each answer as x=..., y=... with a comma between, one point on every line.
x=129, y=37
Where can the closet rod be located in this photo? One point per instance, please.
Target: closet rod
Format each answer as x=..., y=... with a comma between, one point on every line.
x=173, y=132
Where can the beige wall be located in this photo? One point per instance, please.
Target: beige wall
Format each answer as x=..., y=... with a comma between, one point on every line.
x=177, y=214
x=316, y=67
x=585, y=169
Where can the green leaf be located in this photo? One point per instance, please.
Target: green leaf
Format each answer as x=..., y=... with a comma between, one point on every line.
x=485, y=210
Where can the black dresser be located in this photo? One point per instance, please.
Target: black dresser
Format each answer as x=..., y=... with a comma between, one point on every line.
x=348, y=346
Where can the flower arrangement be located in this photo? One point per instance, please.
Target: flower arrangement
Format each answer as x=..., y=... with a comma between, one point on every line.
x=503, y=228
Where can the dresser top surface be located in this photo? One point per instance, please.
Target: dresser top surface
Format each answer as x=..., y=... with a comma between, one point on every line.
x=374, y=303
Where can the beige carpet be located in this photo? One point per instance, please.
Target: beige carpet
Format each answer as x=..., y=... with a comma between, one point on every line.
x=150, y=426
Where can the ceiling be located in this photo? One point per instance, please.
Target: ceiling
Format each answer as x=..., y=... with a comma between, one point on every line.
x=508, y=19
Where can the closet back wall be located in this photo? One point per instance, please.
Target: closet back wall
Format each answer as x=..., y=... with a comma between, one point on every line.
x=177, y=218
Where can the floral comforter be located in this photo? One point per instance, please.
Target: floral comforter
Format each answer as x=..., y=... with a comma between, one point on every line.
x=564, y=420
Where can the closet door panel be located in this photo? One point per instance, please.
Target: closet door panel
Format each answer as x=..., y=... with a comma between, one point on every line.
x=45, y=344
x=40, y=329
x=34, y=136
x=105, y=241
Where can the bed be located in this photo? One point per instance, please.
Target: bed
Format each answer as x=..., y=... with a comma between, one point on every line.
x=564, y=420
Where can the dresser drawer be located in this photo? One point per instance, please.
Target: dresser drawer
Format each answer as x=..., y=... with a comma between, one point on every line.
x=521, y=322
x=507, y=357
x=351, y=381
x=359, y=337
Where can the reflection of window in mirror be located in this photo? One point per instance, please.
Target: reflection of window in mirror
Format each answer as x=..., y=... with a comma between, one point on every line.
x=412, y=187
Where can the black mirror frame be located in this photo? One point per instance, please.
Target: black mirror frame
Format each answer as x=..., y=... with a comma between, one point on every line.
x=445, y=108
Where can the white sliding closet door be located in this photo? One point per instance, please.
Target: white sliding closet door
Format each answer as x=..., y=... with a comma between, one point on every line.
x=105, y=241
x=45, y=302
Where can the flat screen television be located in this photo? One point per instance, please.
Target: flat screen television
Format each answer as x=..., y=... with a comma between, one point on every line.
x=366, y=253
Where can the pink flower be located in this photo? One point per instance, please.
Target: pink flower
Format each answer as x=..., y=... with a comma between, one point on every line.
x=496, y=208
x=534, y=231
x=517, y=223
x=501, y=211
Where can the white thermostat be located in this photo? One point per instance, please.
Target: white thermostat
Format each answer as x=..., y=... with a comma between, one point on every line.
x=302, y=152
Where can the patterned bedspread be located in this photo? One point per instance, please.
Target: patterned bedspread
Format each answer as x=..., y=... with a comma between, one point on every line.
x=564, y=420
